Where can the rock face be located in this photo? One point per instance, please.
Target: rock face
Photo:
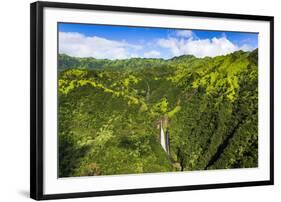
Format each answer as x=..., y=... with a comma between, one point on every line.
x=168, y=142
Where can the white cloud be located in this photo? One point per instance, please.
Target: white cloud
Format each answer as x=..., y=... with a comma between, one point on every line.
x=201, y=47
x=79, y=45
x=183, y=42
x=152, y=54
x=184, y=33
x=246, y=47
x=171, y=43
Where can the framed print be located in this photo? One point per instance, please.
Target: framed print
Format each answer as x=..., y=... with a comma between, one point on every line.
x=134, y=100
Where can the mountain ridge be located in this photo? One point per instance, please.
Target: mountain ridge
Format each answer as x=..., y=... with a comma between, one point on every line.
x=65, y=61
x=108, y=115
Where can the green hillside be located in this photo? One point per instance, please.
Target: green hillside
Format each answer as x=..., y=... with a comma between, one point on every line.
x=109, y=112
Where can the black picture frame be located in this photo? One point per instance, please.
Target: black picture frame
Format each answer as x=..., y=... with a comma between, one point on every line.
x=36, y=98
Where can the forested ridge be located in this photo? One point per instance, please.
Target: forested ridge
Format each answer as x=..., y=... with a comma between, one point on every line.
x=109, y=114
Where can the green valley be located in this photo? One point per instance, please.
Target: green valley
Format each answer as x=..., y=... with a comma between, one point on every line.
x=109, y=114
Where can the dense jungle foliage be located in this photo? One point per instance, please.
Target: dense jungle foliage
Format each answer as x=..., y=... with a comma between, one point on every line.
x=109, y=113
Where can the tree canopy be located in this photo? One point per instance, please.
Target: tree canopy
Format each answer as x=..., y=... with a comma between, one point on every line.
x=109, y=112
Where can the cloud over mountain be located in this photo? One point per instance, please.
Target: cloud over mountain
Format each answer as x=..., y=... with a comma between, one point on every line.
x=79, y=45
x=200, y=47
x=181, y=42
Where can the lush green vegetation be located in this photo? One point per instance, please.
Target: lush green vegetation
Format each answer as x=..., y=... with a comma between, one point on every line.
x=109, y=111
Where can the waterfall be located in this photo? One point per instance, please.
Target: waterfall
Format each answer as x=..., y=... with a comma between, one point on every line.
x=162, y=137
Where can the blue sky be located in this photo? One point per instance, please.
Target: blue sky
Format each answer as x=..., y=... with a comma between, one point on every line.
x=120, y=42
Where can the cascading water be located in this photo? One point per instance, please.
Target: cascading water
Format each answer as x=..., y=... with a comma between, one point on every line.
x=162, y=137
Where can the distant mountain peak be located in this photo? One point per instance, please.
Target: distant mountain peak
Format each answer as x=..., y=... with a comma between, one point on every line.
x=183, y=57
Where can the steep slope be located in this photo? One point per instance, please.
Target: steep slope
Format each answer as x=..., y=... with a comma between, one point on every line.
x=110, y=110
